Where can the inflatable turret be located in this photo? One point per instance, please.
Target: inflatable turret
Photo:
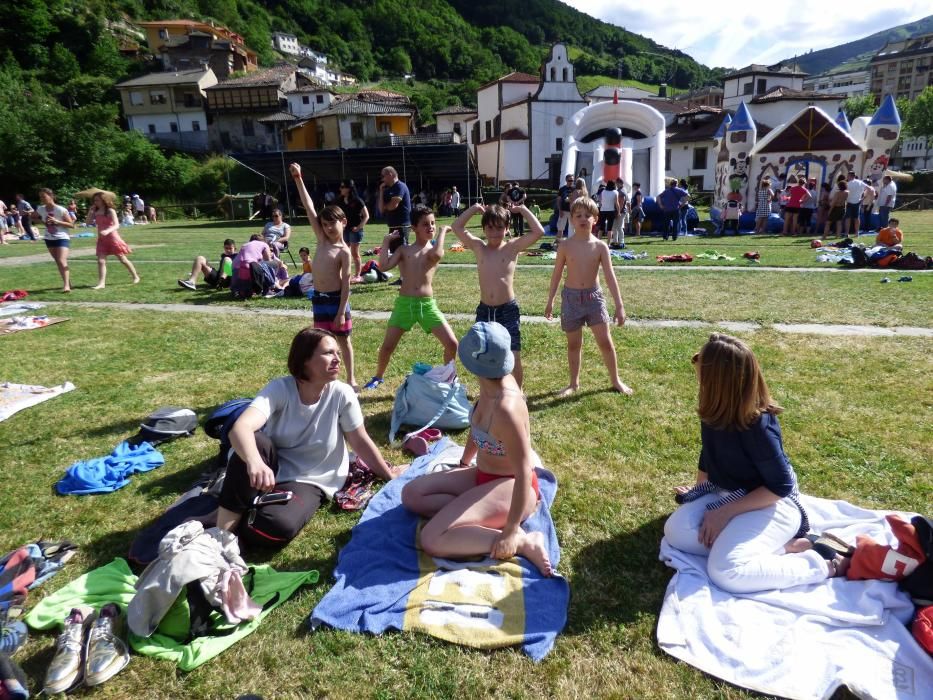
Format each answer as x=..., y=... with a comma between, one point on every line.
x=740, y=137
x=880, y=138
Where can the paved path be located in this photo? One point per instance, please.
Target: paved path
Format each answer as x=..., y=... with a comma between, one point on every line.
x=34, y=258
x=734, y=326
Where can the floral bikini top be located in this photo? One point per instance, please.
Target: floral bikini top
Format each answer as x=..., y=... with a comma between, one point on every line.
x=484, y=441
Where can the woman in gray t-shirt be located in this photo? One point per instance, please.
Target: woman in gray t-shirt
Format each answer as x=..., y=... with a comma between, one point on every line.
x=56, y=220
x=293, y=439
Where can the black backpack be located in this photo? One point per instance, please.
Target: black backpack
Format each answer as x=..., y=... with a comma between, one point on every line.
x=166, y=424
x=220, y=422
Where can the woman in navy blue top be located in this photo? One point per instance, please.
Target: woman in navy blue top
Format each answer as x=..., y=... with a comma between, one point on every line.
x=744, y=512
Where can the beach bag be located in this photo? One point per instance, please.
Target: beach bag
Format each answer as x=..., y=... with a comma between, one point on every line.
x=165, y=424
x=425, y=401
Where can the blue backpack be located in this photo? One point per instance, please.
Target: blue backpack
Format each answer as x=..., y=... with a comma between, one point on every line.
x=220, y=422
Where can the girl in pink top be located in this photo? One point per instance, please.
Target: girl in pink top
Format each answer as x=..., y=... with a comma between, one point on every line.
x=104, y=216
x=797, y=194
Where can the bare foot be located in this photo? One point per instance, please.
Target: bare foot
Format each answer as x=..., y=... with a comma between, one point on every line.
x=66, y=290
x=800, y=544
x=567, y=391
x=534, y=550
x=98, y=286
x=838, y=567
x=623, y=388
x=136, y=280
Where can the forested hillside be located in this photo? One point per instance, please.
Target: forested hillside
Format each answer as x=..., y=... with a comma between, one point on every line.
x=61, y=123
x=855, y=54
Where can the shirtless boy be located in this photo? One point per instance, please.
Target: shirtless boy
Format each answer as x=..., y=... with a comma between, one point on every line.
x=582, y=301
x=331, y=273
x=415, y=303
x=495, y=263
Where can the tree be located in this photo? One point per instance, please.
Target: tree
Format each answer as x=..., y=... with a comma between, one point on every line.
x=859, y=106
x=919, y=122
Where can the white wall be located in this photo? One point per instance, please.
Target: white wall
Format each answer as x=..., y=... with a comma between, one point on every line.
x=487, y=107
x=682, y=162
x=297, y=107
x=513, y=92
x=164, y=121
x=733, y=88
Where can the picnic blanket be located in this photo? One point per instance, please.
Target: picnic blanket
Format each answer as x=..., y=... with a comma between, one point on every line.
x=15, y=397
x=19, y=308
x=801, y=642
x=27, y=323
x=384, y=581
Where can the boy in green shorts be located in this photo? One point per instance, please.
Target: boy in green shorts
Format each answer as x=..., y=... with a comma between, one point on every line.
x=415, y=303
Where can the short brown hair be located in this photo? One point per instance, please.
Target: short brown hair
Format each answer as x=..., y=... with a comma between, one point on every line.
x=733, y=392
x=46, y=190
x=585, y=203
x=496, y=215
x=303, y=347
x=332, y=213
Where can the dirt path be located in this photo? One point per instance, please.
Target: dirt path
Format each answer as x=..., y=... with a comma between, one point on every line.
x=734, y=326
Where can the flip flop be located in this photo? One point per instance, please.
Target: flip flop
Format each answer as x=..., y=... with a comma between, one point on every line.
x=828, y=546
x=430, y=434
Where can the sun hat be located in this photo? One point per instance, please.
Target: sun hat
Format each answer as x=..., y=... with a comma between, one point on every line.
x=485, y=351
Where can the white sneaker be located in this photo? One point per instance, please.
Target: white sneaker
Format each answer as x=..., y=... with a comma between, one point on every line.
x=187, y=284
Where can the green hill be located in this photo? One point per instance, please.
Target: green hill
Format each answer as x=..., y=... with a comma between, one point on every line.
x=855, y=55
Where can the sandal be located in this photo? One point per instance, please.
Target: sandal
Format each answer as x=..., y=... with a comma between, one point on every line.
x=828, y=546
x=417, y=445
x=430, y=434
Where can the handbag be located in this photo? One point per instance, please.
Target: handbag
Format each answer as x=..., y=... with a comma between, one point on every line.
x=425, y=402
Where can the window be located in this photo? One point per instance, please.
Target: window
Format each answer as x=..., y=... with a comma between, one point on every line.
x=497, y=125
x=747, y=88
x=762, y=85
x=319, y=99
x=188, y=99
x=136, y=99
x=248, y=128
x=384, y=127
x=356, y=130
x=163, y=33
x=306, y=99
x=559, y=145
x=152, y=128
x=157, y=97
x=225, y=139
x=488, y=129
x=695, y=182
x=699, y=158
x=667, y=159
x=195, y=125
x=457, y=128
x=553, y=73
x=173, y=127
x=566, y=79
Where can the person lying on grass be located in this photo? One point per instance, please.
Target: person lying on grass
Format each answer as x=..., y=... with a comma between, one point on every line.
x=744, y=512
x=293, y=438
x=479, y=510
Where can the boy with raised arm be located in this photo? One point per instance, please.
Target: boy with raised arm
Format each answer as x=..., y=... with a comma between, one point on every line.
x=417, y=263
x=495, y=263
x=330, y=301
x=582, y=301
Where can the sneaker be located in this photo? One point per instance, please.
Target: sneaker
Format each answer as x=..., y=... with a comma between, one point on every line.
x=374, y=383
x=396, y=283
x=12, y=636
x=106, y=653
x=187, y=284
x=905, y=278
x=67, y=668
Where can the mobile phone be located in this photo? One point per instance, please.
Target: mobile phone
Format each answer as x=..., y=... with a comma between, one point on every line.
x=273, y=498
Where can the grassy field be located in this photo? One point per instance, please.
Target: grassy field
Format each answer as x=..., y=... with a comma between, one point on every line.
x=615, y=480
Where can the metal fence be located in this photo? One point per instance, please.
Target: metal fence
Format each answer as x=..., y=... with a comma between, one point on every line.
x=914, y=202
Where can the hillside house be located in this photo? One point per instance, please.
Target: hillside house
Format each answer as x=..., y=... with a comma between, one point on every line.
x=249, y=113
x=169, y=107
x=746, y=83
x=902, y=68
x=356, y=121
x=187, y=44
x=457, y=120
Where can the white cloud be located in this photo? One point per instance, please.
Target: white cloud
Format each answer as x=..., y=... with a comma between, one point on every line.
x=728, y=34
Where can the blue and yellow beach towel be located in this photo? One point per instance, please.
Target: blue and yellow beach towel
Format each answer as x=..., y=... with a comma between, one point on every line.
x=384, y=581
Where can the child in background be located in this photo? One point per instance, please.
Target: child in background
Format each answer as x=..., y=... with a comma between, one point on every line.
x=331, y=265
x=109, y=241
x=582, y=301
x=495, y=263
x=415, y=302
x=891, y=236
x=305, y=255
x=218, y=277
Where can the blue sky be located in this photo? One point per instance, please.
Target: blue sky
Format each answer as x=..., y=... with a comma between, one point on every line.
x=721, y=34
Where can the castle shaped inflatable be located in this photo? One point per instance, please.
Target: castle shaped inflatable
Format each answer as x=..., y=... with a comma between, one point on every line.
x=811, y=143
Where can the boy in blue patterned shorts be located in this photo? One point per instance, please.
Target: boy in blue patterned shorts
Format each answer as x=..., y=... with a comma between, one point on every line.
x=582, y=301
x=415, y=303
x=495, y=263
x=331, y=272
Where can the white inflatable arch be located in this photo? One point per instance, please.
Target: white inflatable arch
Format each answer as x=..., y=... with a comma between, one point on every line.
x=630, y=117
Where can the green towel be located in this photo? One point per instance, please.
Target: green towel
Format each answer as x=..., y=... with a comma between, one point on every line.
x=115, y=583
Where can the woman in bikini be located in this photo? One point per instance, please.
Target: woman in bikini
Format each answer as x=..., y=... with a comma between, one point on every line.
x=478, y=510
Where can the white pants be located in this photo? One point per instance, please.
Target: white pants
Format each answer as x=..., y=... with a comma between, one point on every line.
x=562, y=221
x=748, y=556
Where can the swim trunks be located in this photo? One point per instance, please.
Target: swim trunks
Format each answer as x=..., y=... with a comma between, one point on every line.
x=324, y=306
x=581, y=307
x=508, y=315
x=411, y=310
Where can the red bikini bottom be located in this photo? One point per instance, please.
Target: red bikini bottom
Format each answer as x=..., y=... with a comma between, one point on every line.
x=485, y=477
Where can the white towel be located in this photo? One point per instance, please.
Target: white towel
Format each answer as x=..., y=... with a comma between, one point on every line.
x=802, y=642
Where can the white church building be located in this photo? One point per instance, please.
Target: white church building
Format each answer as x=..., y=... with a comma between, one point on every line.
x=521, y=121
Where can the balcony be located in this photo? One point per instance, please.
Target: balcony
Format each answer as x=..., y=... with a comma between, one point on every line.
x=413, y=139
x=185, y=141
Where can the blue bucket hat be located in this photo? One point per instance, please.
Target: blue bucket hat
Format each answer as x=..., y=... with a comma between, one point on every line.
x=485, y=350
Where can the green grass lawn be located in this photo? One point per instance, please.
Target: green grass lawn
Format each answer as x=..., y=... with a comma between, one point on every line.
x=857, y=426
